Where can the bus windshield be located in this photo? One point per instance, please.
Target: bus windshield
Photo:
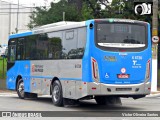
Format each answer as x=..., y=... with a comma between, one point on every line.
x=121, y=35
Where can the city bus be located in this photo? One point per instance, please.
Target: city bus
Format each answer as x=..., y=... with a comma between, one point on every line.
x=101, y=59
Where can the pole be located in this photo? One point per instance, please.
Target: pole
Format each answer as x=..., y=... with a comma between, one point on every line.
x=3, y=66
x=9, y=29
x=17, y=17
x=155, y=21
x=63, y=16
x=154, y=46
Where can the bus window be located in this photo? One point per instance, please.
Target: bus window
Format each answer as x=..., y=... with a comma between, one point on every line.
x=31, y=47
x=55, y=45
x=42, y=46
x=20, y=49
x=81, y=42
x=121, y=36
x=12, y=52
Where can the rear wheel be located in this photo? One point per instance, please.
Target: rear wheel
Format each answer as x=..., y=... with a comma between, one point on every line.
x=57, y=96
x=20, y=89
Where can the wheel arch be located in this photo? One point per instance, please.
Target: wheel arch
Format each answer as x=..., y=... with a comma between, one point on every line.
x=52, y=81
x=17, y=79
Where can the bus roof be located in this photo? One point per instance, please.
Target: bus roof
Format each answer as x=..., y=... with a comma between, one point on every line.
x=20, y=34
x=64, y=25
x=50, y=27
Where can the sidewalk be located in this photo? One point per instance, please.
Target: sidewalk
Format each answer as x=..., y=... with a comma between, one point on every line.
x=7, y=91
x=155, y=94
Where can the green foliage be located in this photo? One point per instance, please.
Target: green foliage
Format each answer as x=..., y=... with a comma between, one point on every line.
x=42, y=15
x=86, y=12
x=79, y=10
x=1, y=68
x=125, y=11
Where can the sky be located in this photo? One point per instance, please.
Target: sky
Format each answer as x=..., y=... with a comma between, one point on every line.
x=32, y=2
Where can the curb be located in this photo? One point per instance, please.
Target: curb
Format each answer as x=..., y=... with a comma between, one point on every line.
x=154, y=94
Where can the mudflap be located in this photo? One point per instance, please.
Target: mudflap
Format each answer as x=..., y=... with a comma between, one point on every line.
x=30, y=95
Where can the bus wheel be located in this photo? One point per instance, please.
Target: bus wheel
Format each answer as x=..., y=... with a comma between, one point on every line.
x=57, y=97
x=100, y=100
x=20, y=89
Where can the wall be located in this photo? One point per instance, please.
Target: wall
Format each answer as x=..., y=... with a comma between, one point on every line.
x=8, y=19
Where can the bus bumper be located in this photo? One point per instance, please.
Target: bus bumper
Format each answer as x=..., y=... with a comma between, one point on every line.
x=79, y=89
x=112, y=89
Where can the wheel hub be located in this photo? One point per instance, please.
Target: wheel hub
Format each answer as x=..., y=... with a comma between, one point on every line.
x=21, y=89
x=56, y=93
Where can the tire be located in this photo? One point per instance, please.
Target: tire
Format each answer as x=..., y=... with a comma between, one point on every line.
x=57, y=97
x=100, y=100
x=20, y=89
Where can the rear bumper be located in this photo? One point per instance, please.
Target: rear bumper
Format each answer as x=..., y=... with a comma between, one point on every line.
x=79, y=89
x=112, y=89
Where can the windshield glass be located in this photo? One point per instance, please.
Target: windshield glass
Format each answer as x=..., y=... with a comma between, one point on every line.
x=120, y=35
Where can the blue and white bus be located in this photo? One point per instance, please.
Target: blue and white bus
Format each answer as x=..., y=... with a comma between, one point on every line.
x=101, y=59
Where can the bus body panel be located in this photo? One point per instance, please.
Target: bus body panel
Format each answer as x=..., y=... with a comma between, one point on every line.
x=21, y=68
x=110, y=63
x=42, y=73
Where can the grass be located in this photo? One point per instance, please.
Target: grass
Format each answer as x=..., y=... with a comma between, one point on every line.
x=1, y=68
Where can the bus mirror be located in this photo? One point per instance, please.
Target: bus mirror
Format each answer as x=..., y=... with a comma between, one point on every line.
x=91, y=26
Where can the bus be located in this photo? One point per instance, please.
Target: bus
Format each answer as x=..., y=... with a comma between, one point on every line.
x=101, y=59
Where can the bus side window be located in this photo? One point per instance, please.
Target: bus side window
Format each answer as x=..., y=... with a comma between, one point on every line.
x=12, y=50
x=12, y=53
x=81, y=43
x=20, y=49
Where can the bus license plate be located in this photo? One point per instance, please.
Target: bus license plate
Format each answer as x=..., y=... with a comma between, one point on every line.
x=123, y=76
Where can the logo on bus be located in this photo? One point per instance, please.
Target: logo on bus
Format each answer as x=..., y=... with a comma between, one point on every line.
x=110, y=58
x=123, y=75
x=123, y=70
x=37, y=68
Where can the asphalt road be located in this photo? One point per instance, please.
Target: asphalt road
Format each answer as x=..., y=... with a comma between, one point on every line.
x=11, y=102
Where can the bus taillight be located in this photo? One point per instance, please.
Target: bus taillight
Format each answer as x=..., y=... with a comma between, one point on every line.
x=95, y=74
x=148, y=69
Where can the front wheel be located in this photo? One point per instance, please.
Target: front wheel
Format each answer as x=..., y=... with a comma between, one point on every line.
x=57, y=96
x=20, y=89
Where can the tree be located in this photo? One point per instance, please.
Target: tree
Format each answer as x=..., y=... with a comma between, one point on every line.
x=42, y=15
x=80, y=10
